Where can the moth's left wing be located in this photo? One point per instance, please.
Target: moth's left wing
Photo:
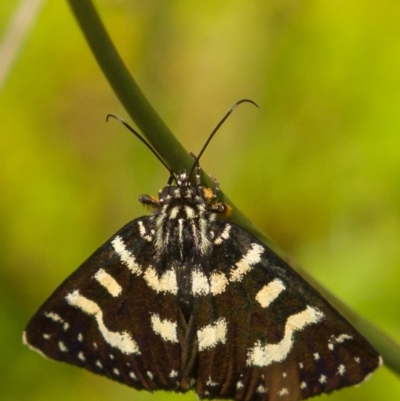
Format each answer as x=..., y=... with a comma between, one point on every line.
x=116, y=315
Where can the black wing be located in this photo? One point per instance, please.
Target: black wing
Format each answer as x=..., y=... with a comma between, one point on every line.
x=266, y=334
x=112, y=315
x=254, y=330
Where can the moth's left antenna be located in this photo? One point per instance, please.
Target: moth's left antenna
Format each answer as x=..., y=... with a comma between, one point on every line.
x=134, y=132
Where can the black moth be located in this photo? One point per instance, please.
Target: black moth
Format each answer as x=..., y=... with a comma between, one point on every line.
x=185, y=300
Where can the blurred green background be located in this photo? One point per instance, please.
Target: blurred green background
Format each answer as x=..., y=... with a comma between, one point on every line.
x=317, y=168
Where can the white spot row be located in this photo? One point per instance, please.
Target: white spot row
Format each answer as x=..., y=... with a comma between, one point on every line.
x=201, y=285
x=116, y=371
x=217, y=282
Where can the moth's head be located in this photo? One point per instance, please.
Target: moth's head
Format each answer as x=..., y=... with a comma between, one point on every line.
x=181, y=190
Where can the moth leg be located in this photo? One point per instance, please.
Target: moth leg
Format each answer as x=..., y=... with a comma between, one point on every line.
x=149, y=200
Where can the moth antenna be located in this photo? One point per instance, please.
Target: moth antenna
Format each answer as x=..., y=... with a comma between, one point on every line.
x=134, y=132
x=196, y=162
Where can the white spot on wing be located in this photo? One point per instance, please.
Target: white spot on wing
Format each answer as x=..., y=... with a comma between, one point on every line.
x=224, y=235
x=108, y=282
x=283, y=391
x=99, y=364
x=143, y=232
x=338, y=340
x=120, y=340
x=150, y=375
x=342, y=337
x=55, y=317
x=303, y=385
x=252, y=257
x=209, y=336
x=270, y=292
x=200, y=285
x=261, y=389
x=210, y=383
x=264, y=355
x=218, y=283
x=133, y=376
x=165, y=283
x=126, y=257
x=62, y=347
x=316, y=356
x=46, y=336
x=173, y=373
x=341, y=370
x=116, y=371
x=239, y=385
x=165, y=328
x=81, y=356
x=80, y=337
x=322, y=379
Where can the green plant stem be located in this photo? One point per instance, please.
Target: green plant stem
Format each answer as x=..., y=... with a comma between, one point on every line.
x=178, y=159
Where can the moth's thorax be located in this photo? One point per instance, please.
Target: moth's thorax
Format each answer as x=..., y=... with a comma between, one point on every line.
x=182, y=218
x=182, y=223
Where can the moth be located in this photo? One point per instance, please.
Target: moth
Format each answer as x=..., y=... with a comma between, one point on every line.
x=184, y=299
